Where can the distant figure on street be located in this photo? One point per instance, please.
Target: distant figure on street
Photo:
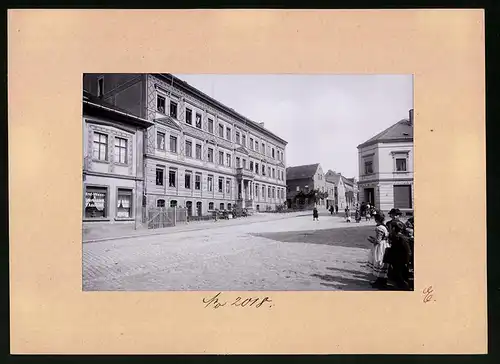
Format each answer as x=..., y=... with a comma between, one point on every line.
x=315, y=214
x=357, y=214
x=347, y=214
x=336, y=209
x=368, y=214
x=331, y=209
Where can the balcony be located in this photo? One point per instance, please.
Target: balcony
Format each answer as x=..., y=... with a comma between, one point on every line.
x=244, y=173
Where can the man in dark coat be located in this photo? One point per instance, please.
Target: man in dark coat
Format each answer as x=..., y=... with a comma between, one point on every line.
x=399, y=254
x=336, y=209
x=395, y=215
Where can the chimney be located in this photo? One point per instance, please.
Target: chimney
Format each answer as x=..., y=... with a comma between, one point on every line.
x=411, y=117
x=261, y=124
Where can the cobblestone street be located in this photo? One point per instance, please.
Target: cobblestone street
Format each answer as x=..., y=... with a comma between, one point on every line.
x=290, y=253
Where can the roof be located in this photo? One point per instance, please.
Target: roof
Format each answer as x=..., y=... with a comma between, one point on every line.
x=399, y=132
x=332, y=177
x=96, y=106
x=220, y=105
x=299, y=172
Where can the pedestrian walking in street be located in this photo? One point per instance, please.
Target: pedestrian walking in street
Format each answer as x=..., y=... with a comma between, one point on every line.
x=315, y=214
x=347, y=214
x=331, y=209
x=357, y=215
x=336, y=209
x=368, y=214
x=380, y=243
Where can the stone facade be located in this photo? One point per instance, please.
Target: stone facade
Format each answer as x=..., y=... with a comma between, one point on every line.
x=199, y=153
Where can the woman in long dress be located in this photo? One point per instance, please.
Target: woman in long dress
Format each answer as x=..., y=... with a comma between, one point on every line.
x=376, y=257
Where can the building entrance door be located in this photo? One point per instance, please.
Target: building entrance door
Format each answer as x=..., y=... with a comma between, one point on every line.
x=370, y=196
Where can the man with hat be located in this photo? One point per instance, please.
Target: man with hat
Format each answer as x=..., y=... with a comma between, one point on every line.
x=394, y=214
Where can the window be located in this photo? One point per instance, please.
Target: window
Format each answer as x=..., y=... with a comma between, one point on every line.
x=198, y=121
x=228, y=133
x=100, y=147
x=257, y=190
x=263, y=170
x=121, y=150
x=221, y=206
x=100, y=87
x=189, y=116
x=198, y=151
x=263, y=148
x=251, y=166
x=269, y=171
x=173, y=109
x=269, y=192
x=210, y=154
x=210, y=126
x=282, y=176
x=96, y=201
x=124, y=203
x=159, y=176
x=238, y=137
x=172, y=178
x=228, y=160
x=244, y=140
x=368, y=167
x=197, y=182
x=173, y=203
x=221, y=183
x=263, y=192
x=274, y=173
x=257, y=168
x=402, y=197
x=160, y=141
x=401, y=164
x=187, y=180
x=189, y=149
x=244, y=164
x=251, y=143
x=237, y=162
x=221, y=158
x=229, y=206
x=173, y=144
x=160, y=203
x=228, y=186
x=272, y=152
x=274, y=192
x=160, y=104
x=210, y=205
x=256, y=146
x=221, y=131
x=210, y=184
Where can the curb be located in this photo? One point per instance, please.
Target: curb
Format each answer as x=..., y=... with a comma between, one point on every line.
x=90, y=241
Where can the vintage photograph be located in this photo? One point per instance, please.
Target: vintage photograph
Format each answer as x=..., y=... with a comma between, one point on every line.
x=247, y=182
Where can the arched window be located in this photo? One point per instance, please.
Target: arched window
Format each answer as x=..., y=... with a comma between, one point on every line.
x=198, y=208
x=221, y=207
x=210, y=205
x=160, y=203
x=229, y=206
x=173, y=203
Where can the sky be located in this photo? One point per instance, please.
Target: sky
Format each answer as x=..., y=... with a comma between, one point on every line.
x=322, y=117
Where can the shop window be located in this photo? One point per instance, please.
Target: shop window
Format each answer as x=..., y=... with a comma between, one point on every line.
x=124, y=203
x=96, y=202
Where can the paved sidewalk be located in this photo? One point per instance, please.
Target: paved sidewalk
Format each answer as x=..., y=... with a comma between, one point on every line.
x=192, y=226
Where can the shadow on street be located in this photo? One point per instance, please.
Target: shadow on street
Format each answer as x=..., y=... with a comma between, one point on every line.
x=345, y=237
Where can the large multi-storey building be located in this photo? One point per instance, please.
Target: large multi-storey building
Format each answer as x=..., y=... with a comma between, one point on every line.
x=199, y=153
x=386, y=167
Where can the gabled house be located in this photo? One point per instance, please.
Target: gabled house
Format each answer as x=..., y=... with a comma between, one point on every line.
x=386, y=167
x=304, y=179
x=344, y=189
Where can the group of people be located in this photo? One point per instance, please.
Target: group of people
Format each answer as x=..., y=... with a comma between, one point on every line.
x=391, y=254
